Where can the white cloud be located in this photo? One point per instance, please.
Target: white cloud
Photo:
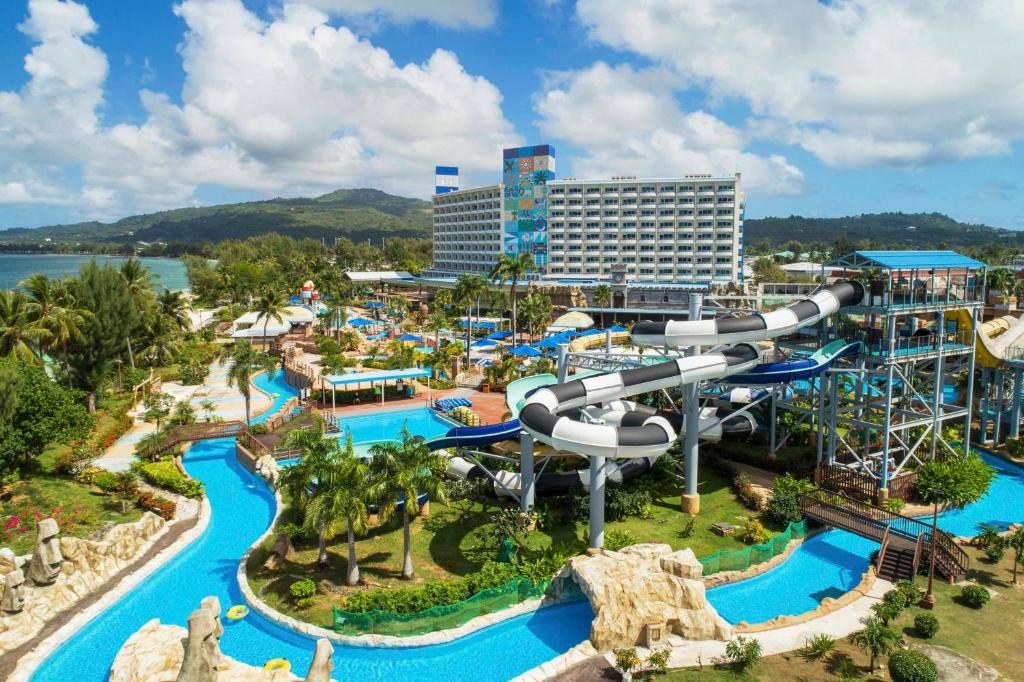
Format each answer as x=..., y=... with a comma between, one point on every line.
x=628, y=122
x=447, y=13
x=855, y=82
x=289, y=106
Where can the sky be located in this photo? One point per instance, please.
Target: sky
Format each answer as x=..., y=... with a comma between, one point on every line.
x=110, y=108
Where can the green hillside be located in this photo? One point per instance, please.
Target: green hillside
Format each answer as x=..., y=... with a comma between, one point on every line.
x=357, y=214
x=881, y=230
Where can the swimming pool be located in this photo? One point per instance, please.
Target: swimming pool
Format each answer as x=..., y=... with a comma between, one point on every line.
x=242, y=508
x=1000, y=506
x=376, y=427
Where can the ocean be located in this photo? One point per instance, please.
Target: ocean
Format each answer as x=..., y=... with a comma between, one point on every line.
x=15, y=267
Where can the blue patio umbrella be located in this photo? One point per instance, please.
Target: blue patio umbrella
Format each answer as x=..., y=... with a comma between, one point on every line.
x=525, y=351
x=616, y=328
x=570, y=334
x=374, y=304
x=550, y=343
x=410, y=337
x=591, y=332
x=361, y=322
x=499, y=336
x=484, y=343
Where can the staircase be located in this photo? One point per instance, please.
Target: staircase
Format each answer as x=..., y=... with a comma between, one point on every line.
x=903, y=536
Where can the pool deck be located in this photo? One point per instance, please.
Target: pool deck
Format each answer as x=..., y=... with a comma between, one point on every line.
x=490, y=406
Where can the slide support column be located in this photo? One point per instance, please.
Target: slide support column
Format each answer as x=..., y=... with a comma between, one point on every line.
x=1018, y=375
x=691, y=393
x=597, y=479
x=527, y=490
x=563, y=363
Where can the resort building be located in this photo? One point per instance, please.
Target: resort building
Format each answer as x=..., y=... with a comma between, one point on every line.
x=658, y=230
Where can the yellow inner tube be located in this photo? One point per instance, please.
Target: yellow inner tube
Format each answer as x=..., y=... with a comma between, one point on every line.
x=237, y=612
x=277, y=664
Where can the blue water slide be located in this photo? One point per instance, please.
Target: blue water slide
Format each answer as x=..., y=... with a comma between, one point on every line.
x=477, y=436
x=796, y=370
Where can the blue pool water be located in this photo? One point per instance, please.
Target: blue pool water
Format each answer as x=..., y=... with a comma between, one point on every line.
x=242, y=509
x=1000, y=506
x=384, y=426
x=824, y=565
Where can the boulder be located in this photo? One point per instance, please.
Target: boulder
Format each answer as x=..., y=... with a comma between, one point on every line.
x=8, y=560
x=641, y=585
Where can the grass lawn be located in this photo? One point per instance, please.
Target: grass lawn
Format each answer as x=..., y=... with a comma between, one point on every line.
x=83, y=508
x=447, y=544
x=990, y=635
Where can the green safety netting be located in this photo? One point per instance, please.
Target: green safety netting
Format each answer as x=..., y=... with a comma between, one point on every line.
x=438, y=617
x=740, y=560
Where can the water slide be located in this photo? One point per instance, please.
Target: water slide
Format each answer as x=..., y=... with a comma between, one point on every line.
x=795, y=370
x=592, y=417
x=997, y=340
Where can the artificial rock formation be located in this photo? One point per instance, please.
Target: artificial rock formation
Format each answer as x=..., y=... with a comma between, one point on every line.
x=12, y=592
x=44, y=566
x=267, y=467
x=157, y=653
x=85, y=566
x=646, y=584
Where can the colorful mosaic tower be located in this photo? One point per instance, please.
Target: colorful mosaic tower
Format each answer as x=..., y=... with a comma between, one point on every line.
x=524, y=208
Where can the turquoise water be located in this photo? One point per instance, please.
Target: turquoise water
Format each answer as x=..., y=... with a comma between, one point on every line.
x=387, y=426
x=15, y=267
x=242, y=509
x=1000, y=506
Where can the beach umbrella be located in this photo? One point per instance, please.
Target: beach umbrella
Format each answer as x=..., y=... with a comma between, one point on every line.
x=550, y=343
x=410, y=337
x=569, y=334
x=361, y=322
x=484, y=343
x=499, y=336
x=525, y=351
x=616, y=328
x=591, y=332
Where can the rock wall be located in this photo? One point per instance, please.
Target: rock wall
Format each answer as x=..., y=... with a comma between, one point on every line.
x=86, y=565
x=645, y=584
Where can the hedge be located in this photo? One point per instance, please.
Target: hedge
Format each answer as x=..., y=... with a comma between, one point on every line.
x=165, y=474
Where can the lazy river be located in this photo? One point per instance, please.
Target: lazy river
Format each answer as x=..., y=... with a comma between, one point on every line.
x=825, y=565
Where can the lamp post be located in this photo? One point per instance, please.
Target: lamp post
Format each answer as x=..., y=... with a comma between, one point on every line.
x=928, y=601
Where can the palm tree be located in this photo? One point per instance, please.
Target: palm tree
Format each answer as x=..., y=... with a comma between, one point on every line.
x=468, y=290
x=302, y=479
x=245, y=362
x=435, y=323
x=877, y=638
x=21, y=332
x=53, y=306
x=512, y=269
x=536, y=311
x=164, y=339
x=403, y=470
x=271, y=305
x=343, y=492
x=138, y=281
x=1001, y=280
x=174, y=306
x=603, y=298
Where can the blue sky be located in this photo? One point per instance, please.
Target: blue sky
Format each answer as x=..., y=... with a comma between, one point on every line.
x=108, y=108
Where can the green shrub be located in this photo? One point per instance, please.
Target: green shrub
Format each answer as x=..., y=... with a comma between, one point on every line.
x=160, y=506
x=784, y=506
x=617, y=539
x=258, y=429
x=895, y=505
x=909, y=590
x=743, y=653
x=165, y=474
x=974, y=596
x=754, y=533
x=657, y=662
x=912, y=666
x=107, y=481
x=439, y=593
x=305, y=602
x=818, y=646
x=303, y=589
x=192, y=372
x=626, y=660
x=962, y=480
x=926, y=625
x=898, y=598
x=995, y=550
x=886, y=612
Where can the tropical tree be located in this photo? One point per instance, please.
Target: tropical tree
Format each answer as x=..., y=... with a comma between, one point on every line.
x=90, y=355
x=270, y=305
x=53, y=306
x=174, y=306
x=343, y=493
x=512, y=268
x=535, y=312
x=603, y=298
x=435, y=323
x=877, y=638
x=246, y=361
x=302, y=479
x=138, y=281
x=1015, y=541
x=1000, y=279
x=404, y=470
x=163, y=339
x=469, y=289
x=21, y=332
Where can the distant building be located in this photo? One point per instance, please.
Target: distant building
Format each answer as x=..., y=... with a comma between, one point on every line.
x=684, y=229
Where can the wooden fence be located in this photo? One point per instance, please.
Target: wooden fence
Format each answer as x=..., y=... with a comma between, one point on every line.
x=860, y=485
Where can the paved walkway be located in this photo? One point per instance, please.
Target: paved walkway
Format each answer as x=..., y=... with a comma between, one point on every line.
x=229, y=402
